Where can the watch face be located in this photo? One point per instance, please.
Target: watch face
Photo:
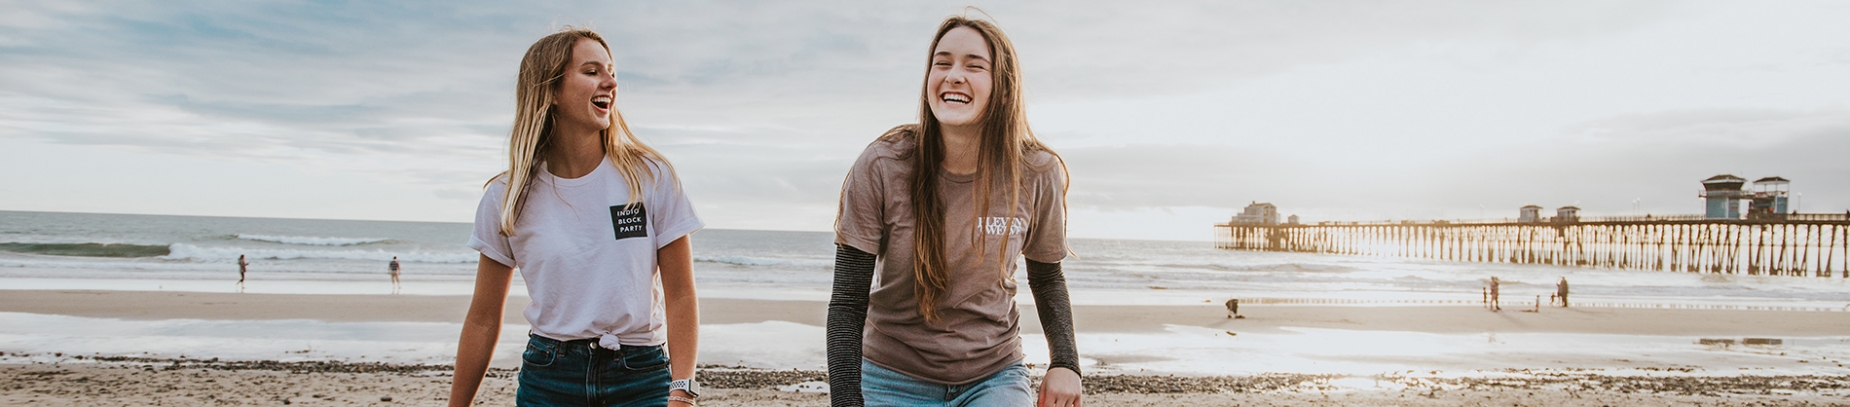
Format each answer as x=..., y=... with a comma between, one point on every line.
x=689, y=385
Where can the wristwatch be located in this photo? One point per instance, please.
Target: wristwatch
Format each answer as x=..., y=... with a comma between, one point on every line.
x=688, y=385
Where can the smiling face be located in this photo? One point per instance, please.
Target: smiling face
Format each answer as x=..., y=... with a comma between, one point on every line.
x=584, y=96
x=960, y=79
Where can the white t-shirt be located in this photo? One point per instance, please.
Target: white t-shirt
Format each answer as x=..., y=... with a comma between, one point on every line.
x=588, y=261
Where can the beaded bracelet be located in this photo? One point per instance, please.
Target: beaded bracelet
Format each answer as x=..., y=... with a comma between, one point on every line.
x=683, y=400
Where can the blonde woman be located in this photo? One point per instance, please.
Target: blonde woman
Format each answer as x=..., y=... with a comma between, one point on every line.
x=944, y=208
x=598, y=225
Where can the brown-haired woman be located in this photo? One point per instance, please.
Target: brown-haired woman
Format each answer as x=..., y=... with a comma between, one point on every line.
x=598, y=225
x=943, y=208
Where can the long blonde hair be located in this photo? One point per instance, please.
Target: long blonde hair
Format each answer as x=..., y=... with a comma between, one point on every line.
x=540, y=73
x=1005, y=143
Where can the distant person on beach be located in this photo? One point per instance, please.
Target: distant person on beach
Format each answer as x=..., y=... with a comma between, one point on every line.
x=944, y=208
x=1495, y=303
x=243, y=267
x=393, y=269
x=1561, y=291
x=1233, y=309
x=599, y=226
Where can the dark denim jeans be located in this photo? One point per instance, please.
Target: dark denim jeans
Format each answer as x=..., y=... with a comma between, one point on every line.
x=578, y=373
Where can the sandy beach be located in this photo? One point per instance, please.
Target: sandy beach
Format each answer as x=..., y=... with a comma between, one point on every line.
x=59, y=379
x=79, y=382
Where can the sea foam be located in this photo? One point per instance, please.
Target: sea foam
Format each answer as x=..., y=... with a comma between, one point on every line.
x=184, y=251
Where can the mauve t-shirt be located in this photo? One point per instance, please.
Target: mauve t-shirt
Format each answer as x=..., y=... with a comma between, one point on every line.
x=977, y=333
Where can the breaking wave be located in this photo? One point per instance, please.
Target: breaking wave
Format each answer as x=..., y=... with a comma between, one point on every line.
x=192, y=252
x=311, y=240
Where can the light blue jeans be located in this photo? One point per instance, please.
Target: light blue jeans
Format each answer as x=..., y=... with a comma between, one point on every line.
x=881, y=387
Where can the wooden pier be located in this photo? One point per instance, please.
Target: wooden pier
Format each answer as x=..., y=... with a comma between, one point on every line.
x=1813, y=245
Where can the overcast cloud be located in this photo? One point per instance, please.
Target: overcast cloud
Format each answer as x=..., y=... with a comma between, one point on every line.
x=1171, y=115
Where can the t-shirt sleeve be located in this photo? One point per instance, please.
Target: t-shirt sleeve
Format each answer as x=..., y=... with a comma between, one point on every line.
x=860, y=222
x=669, y=209
x=1047, y=235
x=487, y=237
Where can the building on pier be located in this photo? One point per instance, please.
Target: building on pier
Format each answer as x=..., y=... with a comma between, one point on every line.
x=1567, y=214
x=1258, y=213
x=1769, y=198
x=1723, y=193
x=1293, y=220
x=1530, y=214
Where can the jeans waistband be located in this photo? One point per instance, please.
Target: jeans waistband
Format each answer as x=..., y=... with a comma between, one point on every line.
x=591, y=343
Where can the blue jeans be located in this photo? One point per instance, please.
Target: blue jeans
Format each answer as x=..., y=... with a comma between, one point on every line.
x=578, y=373
x=881, y=387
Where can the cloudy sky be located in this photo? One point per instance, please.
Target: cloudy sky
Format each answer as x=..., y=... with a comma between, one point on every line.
x=1171, y=116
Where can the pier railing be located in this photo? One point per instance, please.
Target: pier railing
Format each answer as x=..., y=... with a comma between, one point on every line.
x=1797, y=245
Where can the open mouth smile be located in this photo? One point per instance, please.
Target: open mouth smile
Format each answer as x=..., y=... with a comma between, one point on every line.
x=954, y=97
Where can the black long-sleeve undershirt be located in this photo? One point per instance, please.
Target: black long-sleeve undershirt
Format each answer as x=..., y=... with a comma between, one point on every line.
x=854, y=273
x=854, y=276
x=1048, y=284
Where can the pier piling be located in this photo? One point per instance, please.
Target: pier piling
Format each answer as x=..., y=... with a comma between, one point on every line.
x=1814, y=245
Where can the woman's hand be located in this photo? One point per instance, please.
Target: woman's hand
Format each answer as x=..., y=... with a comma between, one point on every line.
x=1060, y=388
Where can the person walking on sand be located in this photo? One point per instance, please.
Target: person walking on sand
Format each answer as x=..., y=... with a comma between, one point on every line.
x=393, y=269
x=243, y=267
x=599, y=227
x=1561, y=291
x=940, y=211
x=1495, y=303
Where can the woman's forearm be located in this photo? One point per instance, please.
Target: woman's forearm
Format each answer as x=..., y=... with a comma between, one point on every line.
x=683, y=307
x=854, y=274
x=481, y=329
x=683, y=336
x=472, y=356
x=1051, y=303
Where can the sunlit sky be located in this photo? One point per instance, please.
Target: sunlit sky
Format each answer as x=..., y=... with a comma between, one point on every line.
x=1171, y=116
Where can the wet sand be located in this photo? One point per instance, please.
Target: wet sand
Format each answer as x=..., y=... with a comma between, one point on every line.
x=1087, y=318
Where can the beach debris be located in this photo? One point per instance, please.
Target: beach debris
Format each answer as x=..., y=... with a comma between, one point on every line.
x=1762, y=341
x=1715, y=341
x=806, y=387
x=1230, y=333
x=385, y=398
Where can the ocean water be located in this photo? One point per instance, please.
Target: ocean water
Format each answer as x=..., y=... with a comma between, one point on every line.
x=145, y=252
x=111, y=251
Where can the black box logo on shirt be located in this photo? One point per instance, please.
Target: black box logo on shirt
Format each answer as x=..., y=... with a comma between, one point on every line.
x=629, y=221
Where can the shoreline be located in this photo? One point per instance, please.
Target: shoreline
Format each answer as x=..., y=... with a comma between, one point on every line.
x=1260, y=318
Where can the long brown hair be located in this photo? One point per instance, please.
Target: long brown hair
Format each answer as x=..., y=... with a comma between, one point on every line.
x=540, y=72
x=1002, y=152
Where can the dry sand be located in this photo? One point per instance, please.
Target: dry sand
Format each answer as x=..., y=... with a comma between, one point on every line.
x=80, y=383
